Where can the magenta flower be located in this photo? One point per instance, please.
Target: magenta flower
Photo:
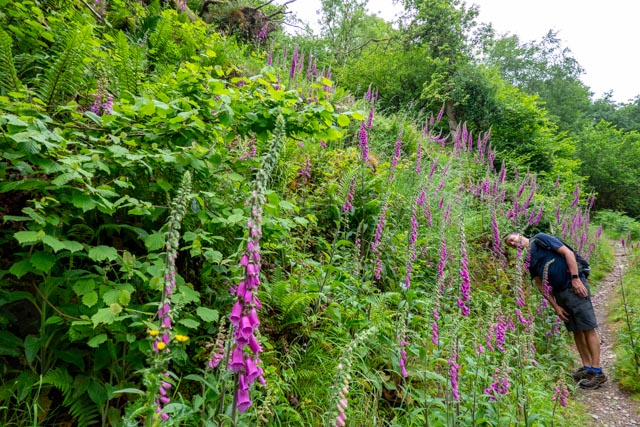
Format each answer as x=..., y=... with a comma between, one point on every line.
x=443, y=258
x=348, y=206
x=561, y=394
x=453, y=373
x=434, y=333
x=364, y=144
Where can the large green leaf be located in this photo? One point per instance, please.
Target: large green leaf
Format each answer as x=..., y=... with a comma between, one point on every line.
x=103, y=253
x=43, y=261
x=154, y=242
x=27, y=236
x=207, y=314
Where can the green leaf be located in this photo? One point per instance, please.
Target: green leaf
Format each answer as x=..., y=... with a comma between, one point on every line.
x=43, y=261
x=104, y=315
x=64, y=178
x=102, y=253
x=154, y=242
x=97, y=340
x=52, y=242
x=32, y=345
x=84, y=286
x=21, y=268
x=207, y=314
x=189, y=323
x=93, y=116
x=213, y=256
x=357, y=116
x=9, y=344
x=343, y=120
x=83, y=201
x=131, y=391
x=90, y=299
x=188, y=294
x=53, y=320
x=26, y=236
x=124, y=297
x=72, y=246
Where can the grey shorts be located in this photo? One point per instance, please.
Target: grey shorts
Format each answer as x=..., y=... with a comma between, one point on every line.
x=580, y=309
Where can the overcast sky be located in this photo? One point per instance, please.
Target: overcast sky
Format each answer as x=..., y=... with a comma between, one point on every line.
x=603, y=36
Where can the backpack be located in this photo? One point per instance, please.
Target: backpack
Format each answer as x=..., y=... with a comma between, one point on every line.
x=583, y=265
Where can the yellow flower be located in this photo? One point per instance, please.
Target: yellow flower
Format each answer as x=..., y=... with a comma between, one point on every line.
x=181, y=338
x=161, y=345
x=153, y=332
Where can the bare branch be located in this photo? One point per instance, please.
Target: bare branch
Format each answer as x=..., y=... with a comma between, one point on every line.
x=265, y=4
x=367, y=42
x=281, y=9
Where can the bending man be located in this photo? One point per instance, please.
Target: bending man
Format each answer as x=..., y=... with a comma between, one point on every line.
x=569, y=297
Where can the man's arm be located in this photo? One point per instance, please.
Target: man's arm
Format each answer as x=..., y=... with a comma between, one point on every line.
x=562, y=314
x=578, y=287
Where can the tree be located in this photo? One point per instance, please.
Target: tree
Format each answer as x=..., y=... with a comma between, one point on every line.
x=611, y=161
x=547, y=69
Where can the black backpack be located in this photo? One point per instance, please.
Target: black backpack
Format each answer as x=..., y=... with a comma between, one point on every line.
x=583, y=265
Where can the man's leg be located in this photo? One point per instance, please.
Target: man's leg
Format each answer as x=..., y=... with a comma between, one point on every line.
x=582, y=344
x=592, y=341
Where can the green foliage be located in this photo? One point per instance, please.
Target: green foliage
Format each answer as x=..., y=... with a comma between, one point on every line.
x=67, y=67
x=610, y=160
x=88, y=252
x=8, y=78
x=627, y=320
x=547, y=69
x=617, y=225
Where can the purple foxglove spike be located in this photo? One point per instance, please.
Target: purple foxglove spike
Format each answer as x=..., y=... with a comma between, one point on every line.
x=244, y=261
x=165, y=338
x=243, y=401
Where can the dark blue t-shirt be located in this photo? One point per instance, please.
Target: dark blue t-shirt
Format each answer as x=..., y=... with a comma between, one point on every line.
x=558, y=274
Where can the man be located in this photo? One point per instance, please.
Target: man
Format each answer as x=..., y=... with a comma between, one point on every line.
x=569, y=297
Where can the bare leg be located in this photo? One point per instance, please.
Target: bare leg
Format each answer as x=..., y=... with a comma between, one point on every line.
x=593, y=346
x=580, y=338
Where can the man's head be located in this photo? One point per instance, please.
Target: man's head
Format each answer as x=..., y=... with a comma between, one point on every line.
x=516, y=240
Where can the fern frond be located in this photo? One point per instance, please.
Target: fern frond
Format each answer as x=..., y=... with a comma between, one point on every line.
x=62, y=380
x=64, y=76
x=85, y=412
x=295, y=304
x=128, y=62
x=8, y=77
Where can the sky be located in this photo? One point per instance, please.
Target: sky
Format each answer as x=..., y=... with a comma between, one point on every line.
x=602, y=36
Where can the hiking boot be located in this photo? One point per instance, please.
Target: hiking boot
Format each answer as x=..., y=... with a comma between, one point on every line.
x=580, y=374
x=593, y=381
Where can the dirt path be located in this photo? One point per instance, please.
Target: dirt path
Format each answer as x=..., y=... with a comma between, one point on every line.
x=609, y=406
